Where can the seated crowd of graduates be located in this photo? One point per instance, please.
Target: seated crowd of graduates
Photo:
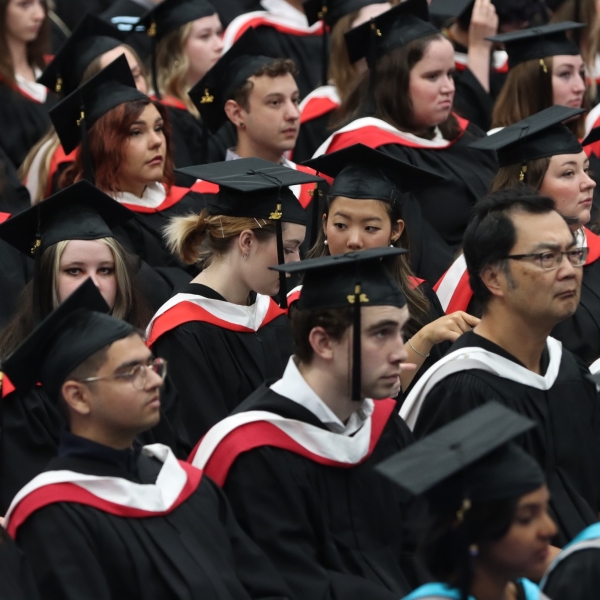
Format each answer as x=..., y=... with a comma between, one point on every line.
x=300, y=300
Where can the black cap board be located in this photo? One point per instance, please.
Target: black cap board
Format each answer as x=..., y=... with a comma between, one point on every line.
x=78, y=328
x=538, y=42
x=331, y=11
x=537, y=136
x=91, y=38
x=471, y=458
x=79, y=212
x=394, y=28
x=361, y=172
x=259, y=189
x=167, y=16
x=356, y=279
x=241, y=61
x=450, y=8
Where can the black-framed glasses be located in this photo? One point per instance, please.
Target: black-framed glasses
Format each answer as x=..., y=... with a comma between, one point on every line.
x=138, y=376
x=549, y=260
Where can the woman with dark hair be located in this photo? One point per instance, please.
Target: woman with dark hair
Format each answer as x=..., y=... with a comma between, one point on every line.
x=318, y=108
x=24, y=41
x=369, y=205
x=72, y=240
x=92, y=45
x=549, y=159
x=488, y=524
x=126, y=151
x=545, y=68
x=223, y=334
x=187, y=43
x=403, y=107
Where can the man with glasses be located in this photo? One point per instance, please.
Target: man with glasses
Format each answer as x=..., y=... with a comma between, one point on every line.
x=109, y=518
x=525, y=269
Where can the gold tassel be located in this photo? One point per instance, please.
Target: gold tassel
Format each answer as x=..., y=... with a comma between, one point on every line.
x=543, y=65
x=522, y=173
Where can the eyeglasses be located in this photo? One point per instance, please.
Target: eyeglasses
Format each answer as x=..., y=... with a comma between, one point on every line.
x=138, y=376
x=551, y=259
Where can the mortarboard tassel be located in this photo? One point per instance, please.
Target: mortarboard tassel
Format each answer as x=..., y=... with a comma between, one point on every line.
x=356, y=354
x=152, y=35
x=324, y=45
x=316, y=194
x=86, y=157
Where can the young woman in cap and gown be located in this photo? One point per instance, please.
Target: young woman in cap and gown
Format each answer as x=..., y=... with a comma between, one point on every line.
x=405, y=110
x=70, y=238
x=223, y=333
x=318, y=109
x=552, y=161
x=25, y=39
x=368, y=206
x=487, y=533
x=186, y=38
x=125, y=148
x=92, y=45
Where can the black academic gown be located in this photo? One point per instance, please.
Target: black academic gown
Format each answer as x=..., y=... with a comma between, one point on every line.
x=16, y=577
x=195, y=552
x=186, y=135
x=331, y=532
x=566, y=442
x=31, y=425
x=214, y=368
x=23, y=121
x=312, y=134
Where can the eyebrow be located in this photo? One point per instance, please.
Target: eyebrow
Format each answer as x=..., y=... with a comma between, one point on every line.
x=298, y=242
x=345, y=216
x=381, y=324
x=554, y=245
x=80, y=262
x=133, y=363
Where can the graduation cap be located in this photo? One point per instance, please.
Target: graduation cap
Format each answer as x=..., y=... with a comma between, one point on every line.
x=538, y=42
x=167, y=16
x=241, y=61
x=255, y=188
x=472, y=459
x=394, y=28
x=330, y=12
x=78, y=328
x=451, y=8
x=537, y=136
x=79, y=212
x=361, y=172
x=73, y=116
x=91, y=38
x=354, y=280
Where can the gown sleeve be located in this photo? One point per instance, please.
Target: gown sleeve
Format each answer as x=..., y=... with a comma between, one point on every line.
x=270, y=501
x=576, y=578
x=16, y=577
x=472, y=102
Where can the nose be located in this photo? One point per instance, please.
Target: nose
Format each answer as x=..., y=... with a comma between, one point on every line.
x=354, y=240
x=155, y=139
x=548, y=528
x=566, y=269
x=588, y=183
x=579, y=83
x=219, y=45
x=40, y=12
x=292, y=112
x=448, y=85
x=399, y=353
x=153, y=379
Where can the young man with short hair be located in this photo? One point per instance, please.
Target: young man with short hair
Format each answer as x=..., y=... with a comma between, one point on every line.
x=296, y=458
x=525, y=269
x=109, y=519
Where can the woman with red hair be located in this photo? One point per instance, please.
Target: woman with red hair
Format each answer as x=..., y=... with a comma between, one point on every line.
x=124, y=146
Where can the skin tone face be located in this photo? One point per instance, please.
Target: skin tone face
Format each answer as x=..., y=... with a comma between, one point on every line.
x=567, y=181
x=568, y=80
x=383, y=351
x=359, y=224
x=136, y=70
x=24, y=19
x=112, y=411
x=203, y=47
x=83, y=259
x=540, y=298
x=525, y=549
x=431, y=85
x=270, y=127
x=145, y=150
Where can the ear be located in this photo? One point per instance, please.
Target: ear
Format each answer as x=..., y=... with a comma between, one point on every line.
x=77, y=396
x=494, y=279
x=235, y=113
x=321, y=343
x=324, y=221
x=246, y=242
x=397, y=230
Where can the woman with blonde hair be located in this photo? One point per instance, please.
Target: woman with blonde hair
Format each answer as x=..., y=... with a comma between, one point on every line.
x=186, y=38
x=71, y=238
x=223, y=334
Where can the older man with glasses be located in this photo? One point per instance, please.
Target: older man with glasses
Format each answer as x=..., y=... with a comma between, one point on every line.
x=525, y=269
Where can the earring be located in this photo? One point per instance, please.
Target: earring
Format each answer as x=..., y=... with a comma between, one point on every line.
x=241, y=124
x=326, y=243
x=474, y=550
x=244, y=256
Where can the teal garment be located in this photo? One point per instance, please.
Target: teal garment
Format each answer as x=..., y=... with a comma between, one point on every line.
x=441, y=590
x=589, y=533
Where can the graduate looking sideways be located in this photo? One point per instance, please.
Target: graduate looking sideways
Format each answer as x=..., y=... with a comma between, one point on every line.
x=296, y=458
x=109, y=518
x=525, y=267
